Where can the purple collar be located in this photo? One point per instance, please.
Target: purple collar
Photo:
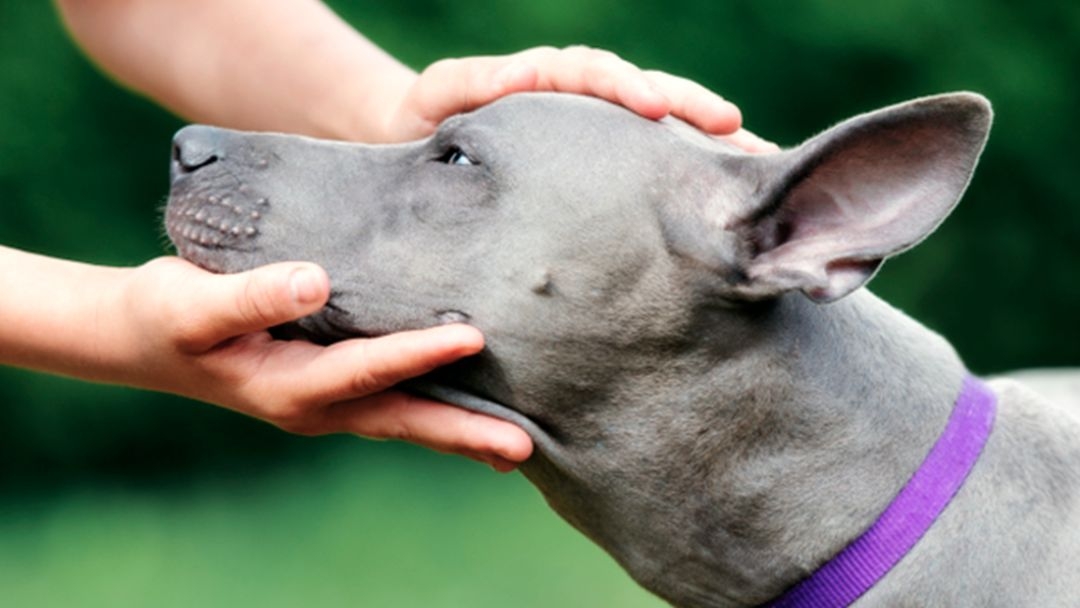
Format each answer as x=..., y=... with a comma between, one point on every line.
x=867, y=560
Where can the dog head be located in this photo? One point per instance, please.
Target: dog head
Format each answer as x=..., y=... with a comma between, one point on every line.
x=612, y=263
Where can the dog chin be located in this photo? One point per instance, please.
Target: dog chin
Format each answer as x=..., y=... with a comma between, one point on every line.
x=319, y=328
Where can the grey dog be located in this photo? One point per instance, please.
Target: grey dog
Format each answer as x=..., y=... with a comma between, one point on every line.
x=681, y=327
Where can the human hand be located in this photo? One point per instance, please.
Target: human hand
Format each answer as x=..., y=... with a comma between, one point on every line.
x=452, y=86
x=201, y=335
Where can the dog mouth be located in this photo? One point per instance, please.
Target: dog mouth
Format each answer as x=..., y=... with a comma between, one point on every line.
x=211, y=220
x=446, y=384
x=210, y=215
x=460, y=384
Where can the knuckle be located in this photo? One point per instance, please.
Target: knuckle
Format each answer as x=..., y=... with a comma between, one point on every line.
x=577, y=54
x=366, y=382
x=173, y=322
x=376, y=372
x=543, y=53
x=597, y=57
x=376, y=419
x=255, y=304
x=577, y=49
x=291, y=416
x=396, y=428
x=396, y=417
x=607, y=57
x=678, y=90
x=661, y=77
x=607, y=66
x=442, y=67
x=655, y=76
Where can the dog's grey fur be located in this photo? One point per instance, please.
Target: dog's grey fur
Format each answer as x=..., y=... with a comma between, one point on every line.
x=680, y=326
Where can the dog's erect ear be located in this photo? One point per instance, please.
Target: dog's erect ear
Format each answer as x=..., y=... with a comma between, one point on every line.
x=835, y=207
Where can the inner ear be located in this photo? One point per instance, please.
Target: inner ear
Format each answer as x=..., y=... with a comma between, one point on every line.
x=862, y=191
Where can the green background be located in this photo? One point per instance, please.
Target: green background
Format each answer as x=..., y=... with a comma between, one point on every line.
x=115, y=497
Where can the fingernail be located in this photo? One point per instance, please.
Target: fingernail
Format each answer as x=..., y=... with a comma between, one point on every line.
x=305, y=285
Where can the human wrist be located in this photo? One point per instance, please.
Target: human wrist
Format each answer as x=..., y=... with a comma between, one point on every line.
x=355, y=86
x=134, y=333
x=110, y=337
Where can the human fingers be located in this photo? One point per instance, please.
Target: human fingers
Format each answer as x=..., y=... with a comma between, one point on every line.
x=588, y=71
x=445, y=428
x=696, y=104
x=452, y=86
x=361, y=367
x=650, y=93
x=343, y=388
x=209, y=308
x=583, y=71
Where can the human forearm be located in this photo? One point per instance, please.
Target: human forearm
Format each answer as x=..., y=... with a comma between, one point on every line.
x=294, y=66
x=49, y=315
x=286, y=65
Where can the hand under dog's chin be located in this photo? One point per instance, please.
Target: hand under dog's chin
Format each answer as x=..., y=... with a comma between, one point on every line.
x=467, y=383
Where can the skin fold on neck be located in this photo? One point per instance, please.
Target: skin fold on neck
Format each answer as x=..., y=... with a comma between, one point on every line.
x=796, y=445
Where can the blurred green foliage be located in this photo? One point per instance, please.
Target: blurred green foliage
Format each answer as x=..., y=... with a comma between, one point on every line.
x=119, y=497
x=339, y=530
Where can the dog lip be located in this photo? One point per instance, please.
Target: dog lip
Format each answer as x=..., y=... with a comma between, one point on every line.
x=426, y=386
x=337, y=324
x=216, y=211
x=207, y=256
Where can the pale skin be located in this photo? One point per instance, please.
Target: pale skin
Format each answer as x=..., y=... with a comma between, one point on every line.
x=290, y=66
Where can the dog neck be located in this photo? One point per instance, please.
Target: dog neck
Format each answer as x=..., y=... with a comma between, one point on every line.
x=870, y=557
x=755, y=472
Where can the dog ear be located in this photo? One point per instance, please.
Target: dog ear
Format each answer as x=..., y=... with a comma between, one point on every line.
x=837, y=206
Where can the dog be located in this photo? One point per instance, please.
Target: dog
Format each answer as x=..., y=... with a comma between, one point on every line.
x=683, y=330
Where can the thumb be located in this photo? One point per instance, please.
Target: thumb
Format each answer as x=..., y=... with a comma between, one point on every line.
x=226, y=306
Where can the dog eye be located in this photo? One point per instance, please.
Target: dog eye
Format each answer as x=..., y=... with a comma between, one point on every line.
x=456, y=156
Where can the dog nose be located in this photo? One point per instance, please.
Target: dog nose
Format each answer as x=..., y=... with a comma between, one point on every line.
x=195, y=147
